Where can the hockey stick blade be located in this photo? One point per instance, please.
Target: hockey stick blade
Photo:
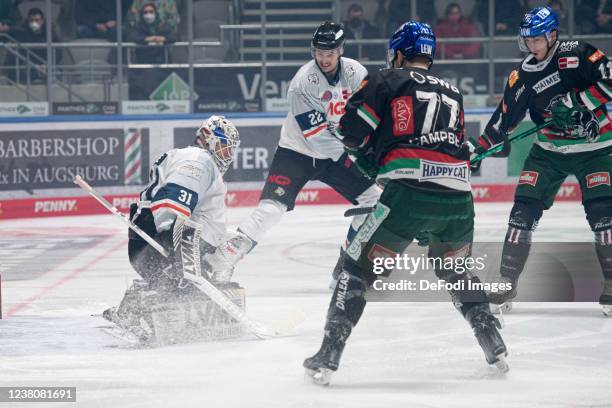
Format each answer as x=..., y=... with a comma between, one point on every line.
x=351, y=212
x=205, y=286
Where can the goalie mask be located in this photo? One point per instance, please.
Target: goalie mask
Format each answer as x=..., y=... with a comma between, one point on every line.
x=220, y=137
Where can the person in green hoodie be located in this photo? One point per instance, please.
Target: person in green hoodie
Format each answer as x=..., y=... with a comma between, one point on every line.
x=152, y=31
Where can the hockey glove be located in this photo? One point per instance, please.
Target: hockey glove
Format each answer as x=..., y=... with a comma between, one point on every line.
x=577, y=121
x=475, y=150
x=364, y=160
x=492, y=138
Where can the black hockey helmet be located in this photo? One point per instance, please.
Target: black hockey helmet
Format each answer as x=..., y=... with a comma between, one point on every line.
x=328, y=36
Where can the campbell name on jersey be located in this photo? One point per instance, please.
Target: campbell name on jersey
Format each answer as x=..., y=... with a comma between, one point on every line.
x=187, y=183
x=315, y=102
x=414, y=122
x=535, y=86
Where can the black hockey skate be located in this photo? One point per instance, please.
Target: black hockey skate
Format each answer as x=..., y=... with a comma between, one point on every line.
x=605, y=300
x=321, y=366
x=485, y=327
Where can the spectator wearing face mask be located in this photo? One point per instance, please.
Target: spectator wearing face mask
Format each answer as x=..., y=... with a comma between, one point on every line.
x=166, y=9
x=356, y=27
x=455, y=25
x=153, y=32
x=33, y=30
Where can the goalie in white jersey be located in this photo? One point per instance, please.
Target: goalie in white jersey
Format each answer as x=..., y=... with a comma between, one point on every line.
x=307, y=150
x=183, y=209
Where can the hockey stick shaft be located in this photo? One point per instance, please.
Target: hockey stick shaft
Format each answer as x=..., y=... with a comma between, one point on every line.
x=511, y=139
x=87, y=188
x=204, y=285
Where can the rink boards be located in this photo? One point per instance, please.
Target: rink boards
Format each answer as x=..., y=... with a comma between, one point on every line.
x=40, y=156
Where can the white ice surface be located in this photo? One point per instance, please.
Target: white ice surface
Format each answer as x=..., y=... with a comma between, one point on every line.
x=400, y=355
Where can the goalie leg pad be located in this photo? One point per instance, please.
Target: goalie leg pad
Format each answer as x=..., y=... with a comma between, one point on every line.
x=161, y=318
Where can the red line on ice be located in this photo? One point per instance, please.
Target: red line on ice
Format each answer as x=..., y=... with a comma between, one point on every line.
x=61, y=281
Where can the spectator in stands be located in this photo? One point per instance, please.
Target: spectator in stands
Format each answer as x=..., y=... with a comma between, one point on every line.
x=166, y=9
x=594, y=17
x=8, y=15
x=399, y=12
x=33, y=30
x=356, y=27
x=604, y=17
x=152, y=31
x=455, y=25
x=557, y=5
x=507, y=15
x=96, y=19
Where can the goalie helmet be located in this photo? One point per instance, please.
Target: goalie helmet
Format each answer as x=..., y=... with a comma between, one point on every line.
x=220, y=137
x=538, y=21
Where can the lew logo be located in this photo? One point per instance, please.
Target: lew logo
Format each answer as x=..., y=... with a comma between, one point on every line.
x=598, y=179
x=401, y=109
x=547, y=82
x=529, y=177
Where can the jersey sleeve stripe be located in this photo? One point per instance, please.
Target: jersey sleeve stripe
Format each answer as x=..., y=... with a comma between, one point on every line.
x=172, y=205
x=592, y=97
x=315, y=131
x=368, y=115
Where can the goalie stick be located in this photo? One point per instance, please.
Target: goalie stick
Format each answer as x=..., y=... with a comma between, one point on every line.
x=204, y=285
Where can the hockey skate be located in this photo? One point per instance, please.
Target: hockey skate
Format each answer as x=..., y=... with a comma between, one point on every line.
x=485, y=327
x=132, y=313
x=605, y=300
x=322, y=365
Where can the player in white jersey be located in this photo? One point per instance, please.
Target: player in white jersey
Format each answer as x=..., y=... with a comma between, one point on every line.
x=307, y=150
x=183, y=209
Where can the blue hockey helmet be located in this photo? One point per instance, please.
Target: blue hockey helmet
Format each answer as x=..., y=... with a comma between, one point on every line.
x=412, y=39
x=538, y=21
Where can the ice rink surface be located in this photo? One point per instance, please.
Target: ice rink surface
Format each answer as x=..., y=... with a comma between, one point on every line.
x=57, y=272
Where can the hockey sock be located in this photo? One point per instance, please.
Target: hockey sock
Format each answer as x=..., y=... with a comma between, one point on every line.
x=515, y=252
x=267, y=214
x=348, y=300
